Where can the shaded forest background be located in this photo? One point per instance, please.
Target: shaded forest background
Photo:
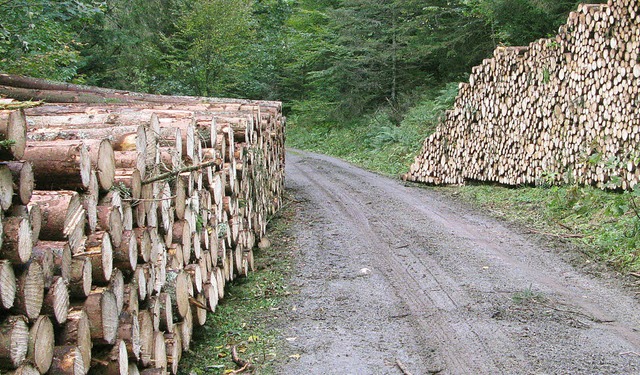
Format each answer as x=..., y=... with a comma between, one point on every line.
x=357, y=77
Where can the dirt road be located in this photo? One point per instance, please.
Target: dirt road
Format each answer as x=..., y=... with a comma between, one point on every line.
x=394, y=277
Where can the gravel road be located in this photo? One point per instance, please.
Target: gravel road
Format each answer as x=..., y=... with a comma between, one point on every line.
x=394, y=279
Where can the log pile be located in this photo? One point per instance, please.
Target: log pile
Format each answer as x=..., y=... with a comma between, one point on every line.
x=122, y=222
x=562, y=110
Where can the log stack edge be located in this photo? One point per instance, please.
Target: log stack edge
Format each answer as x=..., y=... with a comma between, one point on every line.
x=123, y=215
x=562, y=110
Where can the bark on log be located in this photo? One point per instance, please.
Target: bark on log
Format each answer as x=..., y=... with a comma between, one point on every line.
x=174, y=351
x=77, y=332
x=67, y=360
x=113, y=361
x=102, y=310
x=68, y=161
x=129, y=332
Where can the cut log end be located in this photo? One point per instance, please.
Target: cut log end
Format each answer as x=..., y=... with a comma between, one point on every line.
x=41, y=344
x=14, y=340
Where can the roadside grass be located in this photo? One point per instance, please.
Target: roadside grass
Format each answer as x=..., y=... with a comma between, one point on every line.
x=247, y=317
x=605, y=224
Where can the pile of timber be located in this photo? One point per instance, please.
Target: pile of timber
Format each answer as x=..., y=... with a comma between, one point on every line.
x=560, y=110
x=122, y=222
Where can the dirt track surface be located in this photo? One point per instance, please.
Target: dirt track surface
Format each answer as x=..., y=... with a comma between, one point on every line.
x=391, y=276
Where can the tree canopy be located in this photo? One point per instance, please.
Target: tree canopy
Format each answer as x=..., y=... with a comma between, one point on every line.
x=328, y=60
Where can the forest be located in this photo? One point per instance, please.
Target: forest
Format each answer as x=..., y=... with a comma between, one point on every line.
x=357, y=77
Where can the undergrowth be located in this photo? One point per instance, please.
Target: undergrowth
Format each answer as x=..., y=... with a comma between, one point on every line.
x=378, y=142
x=248, y=315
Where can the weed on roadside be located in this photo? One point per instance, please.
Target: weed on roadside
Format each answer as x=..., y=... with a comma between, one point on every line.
x=246, y=318
x=527, y=296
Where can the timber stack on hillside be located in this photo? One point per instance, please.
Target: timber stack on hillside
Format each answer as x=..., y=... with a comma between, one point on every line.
x=560, y=110
x=122, y=222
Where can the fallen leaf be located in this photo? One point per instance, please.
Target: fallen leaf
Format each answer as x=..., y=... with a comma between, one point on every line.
x=295, y=356
x=253, y=338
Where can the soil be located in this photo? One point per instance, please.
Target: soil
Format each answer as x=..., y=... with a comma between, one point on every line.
x=399, y=279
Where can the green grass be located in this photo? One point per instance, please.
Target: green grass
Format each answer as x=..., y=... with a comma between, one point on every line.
x=605, y=224
x=247, y=317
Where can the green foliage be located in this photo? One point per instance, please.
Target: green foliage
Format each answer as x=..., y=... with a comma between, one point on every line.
x=44, y=38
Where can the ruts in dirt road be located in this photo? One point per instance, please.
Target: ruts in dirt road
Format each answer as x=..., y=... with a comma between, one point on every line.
x=394, y=279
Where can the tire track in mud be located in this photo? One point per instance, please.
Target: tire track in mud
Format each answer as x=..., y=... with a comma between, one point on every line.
x=453, y=271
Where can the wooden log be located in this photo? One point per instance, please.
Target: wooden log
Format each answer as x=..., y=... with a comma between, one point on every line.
x=56, y=301
x=8, y=287
x=6, y=187
x=177, y=287
x=110, y=220
x=68, y=161
x=125, y=256
x=185, y=329
x=77, y=332
x=174, y=351
x=45, y=257
x=41, y=344
x=131, y=298
x=112, y=361
x=166, y=312
x=62, y=212
x=129, y=332
x=67, y=360
x=14, y=341
x=99, y=251
x=116, y=285
x=199, y=309
x=159, y=357
x=32, y=212
x=25, y=369
x=17, y=243
x=13, y=128
x=30, y=290
x=23, y=180
x=61, y=257
x=80, y=277
x=102, y=310
x=146, y=338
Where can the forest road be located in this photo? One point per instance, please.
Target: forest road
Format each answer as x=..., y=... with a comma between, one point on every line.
x=393, y=279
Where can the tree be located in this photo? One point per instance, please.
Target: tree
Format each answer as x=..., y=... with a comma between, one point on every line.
x=44, y=38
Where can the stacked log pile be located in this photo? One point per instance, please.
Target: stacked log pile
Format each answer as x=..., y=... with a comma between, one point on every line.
x=560, y=110
x=122, y=222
